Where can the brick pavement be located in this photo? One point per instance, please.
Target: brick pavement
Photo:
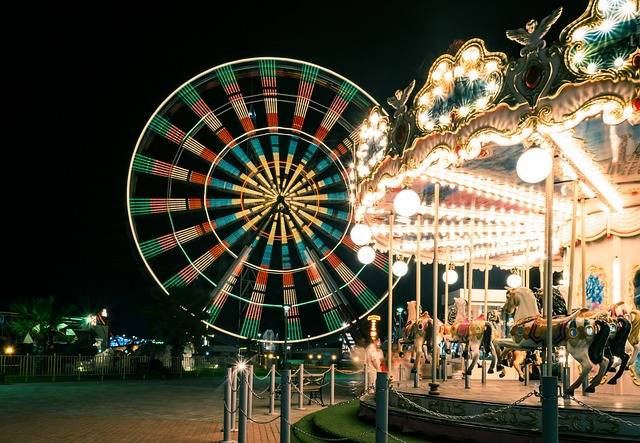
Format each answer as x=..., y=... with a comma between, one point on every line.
x=188, y=410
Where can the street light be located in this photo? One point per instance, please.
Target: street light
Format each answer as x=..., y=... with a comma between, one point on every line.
x=286, y=309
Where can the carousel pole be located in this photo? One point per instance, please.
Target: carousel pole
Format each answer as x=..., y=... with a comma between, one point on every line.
x=446, y=314
x=549, y=382
x=583, y=252
x=470, y=273
x=416, y=376
x=390, y=301
x=485, y=309
x=446, y=290
x=572, y=252
x=418, y=252
x=433, y=386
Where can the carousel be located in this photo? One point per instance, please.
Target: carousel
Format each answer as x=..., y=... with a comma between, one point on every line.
x=516, y=163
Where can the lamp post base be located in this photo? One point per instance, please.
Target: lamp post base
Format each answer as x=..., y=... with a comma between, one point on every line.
x=433, y=389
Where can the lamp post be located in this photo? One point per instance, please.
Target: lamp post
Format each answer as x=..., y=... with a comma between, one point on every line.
x=286, y=309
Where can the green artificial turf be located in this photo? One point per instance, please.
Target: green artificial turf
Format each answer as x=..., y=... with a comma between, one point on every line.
x=341, y=421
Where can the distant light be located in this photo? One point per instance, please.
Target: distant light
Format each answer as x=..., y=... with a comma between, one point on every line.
x=104, y=312
x=241, y=366
x=319, y=356
x=310, y=356
x=356, y=359
x=514, y=281
x=333, y=357
x=9, y=350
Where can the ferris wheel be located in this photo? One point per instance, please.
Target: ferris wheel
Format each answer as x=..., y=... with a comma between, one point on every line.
x=240, y=191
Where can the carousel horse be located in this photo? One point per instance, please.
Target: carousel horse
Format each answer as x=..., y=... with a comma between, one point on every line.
x=585, y=338
x=414, y=334
x=473, y=333
x=510, y=357
x=559, y=305
x=419, y=334
x=633, y=341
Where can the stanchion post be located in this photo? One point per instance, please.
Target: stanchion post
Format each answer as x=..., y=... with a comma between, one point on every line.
x=234, y=397
x=526, y=374
x=250, y=394
x=301, y=387
x=382, y=407
x=272, y=393
x=366, y=377
x=400, y=373
x=242, y=409
x=285, y=406
x=332, y=390
x=227, y=407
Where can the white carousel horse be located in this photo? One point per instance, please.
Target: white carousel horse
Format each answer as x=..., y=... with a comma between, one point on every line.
x=473, y=333
x=584, y=338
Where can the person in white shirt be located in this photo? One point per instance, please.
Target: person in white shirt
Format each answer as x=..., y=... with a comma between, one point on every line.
x=373, y=360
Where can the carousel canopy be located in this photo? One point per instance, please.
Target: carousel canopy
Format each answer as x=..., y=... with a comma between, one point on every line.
x=488, y=129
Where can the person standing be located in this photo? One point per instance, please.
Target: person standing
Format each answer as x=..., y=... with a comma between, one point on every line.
x=373, y=359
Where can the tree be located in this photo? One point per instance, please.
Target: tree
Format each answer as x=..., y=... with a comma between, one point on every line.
x=176, y=319
x=42, y=320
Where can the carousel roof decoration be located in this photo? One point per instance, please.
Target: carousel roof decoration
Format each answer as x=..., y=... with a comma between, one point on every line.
x=479, y=110
x=458, y=87
x=598, y=42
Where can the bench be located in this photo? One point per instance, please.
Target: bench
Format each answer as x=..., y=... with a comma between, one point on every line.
x=313, y=384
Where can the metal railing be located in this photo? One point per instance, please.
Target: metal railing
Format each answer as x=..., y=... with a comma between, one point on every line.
x=23, y=367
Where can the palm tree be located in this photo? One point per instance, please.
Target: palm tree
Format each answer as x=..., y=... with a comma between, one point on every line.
x=42, y=320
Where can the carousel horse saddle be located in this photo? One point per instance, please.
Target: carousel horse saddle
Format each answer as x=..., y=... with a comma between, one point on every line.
x=535, y=329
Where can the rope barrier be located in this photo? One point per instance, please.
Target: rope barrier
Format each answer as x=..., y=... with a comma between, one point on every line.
x=604, y=414
x=349, y=372
x=467, y=417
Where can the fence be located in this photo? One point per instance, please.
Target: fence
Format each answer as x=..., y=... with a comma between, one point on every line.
x=32, y=366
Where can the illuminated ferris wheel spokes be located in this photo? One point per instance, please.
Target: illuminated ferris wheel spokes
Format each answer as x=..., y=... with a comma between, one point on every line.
x=248, y=200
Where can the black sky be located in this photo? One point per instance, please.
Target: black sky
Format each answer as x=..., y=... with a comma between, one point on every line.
x=81, y=80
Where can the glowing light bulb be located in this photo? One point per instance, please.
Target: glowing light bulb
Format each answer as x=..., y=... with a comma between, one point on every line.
x=406, y=203
x=514, y=281
x=618, y=62
x=606, y=25
x=578, y=57
x=592, y=68
x=491, y=66
x=463, y=111
x=366, y=255
x=360, y=234
x=473, y=75
x=400, y=268
x=450, y=276
x=534, y=165
x=580, y=33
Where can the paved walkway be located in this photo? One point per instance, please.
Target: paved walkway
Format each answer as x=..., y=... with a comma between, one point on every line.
x=187, y=410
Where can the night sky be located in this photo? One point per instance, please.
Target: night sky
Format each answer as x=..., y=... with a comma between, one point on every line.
x=82, y=80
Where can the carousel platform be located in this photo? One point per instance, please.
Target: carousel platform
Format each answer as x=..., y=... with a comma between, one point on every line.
x=447, y=416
